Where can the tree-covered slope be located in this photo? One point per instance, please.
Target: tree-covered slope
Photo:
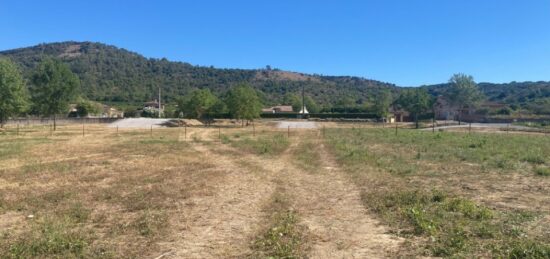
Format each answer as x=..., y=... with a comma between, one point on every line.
x=108, y=73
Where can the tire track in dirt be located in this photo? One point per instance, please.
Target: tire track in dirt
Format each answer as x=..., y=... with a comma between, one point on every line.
x=221, y=225
x=331, y=207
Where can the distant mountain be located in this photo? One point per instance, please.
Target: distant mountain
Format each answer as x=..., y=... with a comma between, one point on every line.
x=113, y=74
x=109, y=73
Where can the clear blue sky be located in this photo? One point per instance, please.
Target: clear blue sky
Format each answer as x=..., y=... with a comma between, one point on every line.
x=406, y=42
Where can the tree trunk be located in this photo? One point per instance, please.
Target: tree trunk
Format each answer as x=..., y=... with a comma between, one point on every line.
x=54, y=122
x=416, y=120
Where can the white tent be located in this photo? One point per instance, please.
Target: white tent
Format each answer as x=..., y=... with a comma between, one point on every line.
x=303, y=110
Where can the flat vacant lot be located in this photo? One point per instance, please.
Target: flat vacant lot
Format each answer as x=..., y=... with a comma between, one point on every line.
x=327, y=192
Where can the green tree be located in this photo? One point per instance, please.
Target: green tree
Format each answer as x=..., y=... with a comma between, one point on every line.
x=311, y=105
x=13, y=95
x=463, y=93
x=416, y=101
x=243, y=103
x=198, y=104
x=382, y=103
x=219, y=108
x=294, y=100
x=86, y=107
x=54, y=86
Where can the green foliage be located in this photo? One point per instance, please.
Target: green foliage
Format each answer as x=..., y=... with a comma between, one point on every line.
x=54, y=86
x=542, y=171
x=464, y=91
x=453, y=225
x=283, y=239
x=416, y=101
x=86, y=107
x=13, y=95
x=382, y=103
x=198, y=104
x=296, y=102
x=50, y=238
x=243, y=103
x=109, y=73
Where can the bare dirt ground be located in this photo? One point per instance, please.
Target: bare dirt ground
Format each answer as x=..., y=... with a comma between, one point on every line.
x=220, y=225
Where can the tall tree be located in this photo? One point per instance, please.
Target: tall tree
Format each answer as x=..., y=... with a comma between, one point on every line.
x=13, y=95
x=463, y=93
x=382, y=103
x=416, y=101
x=296, y=102
x=243, y=103
x=198, y=104
x=54, y=86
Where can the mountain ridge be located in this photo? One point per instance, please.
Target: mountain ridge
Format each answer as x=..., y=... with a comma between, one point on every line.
x=110, y=73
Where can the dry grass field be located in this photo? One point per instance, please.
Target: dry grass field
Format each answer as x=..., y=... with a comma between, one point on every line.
x=339, y=191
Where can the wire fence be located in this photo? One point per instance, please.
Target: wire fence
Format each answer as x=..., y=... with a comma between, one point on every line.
x=213, y=132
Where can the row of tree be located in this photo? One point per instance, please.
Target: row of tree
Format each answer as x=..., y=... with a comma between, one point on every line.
x=52, y=87
x=463, y=93
x=241, y=102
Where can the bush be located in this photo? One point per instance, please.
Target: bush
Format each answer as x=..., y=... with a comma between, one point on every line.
x=542, y=171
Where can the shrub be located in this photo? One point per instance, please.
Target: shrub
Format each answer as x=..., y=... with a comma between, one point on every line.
x=542, y=171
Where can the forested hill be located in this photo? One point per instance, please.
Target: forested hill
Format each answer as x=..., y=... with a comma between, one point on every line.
x=108, y=73
x=532, y=96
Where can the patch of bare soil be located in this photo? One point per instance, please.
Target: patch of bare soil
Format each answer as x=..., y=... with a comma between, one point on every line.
x=338, y=218
x=220, y=225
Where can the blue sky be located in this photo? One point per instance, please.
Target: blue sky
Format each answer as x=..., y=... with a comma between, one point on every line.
x=406, y=42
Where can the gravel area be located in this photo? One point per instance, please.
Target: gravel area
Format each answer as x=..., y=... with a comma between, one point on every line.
x=143, y=123
x=297, y=124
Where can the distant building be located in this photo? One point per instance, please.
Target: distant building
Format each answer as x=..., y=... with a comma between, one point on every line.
x=278, y=109
x=111, y=112
x=152, y=105
x=444, y=110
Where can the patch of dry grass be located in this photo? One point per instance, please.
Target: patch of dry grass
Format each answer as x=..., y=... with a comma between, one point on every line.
x=463, y=195
x=101, y=195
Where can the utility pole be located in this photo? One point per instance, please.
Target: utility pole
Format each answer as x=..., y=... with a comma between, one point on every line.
x=160, y=106
x=303, y=101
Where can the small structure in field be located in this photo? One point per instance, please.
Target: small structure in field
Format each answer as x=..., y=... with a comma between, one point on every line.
x=278, y=109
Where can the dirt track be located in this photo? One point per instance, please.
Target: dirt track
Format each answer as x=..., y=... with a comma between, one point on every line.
x=328, y=205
